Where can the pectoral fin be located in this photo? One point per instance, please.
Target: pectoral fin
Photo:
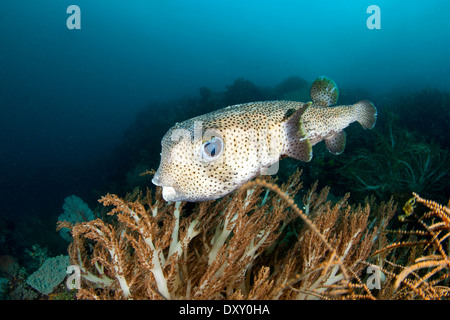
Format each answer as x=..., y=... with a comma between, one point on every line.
x=298, y=145
x=336, y=142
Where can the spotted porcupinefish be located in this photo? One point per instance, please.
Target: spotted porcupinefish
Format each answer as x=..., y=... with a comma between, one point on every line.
x=209, y=156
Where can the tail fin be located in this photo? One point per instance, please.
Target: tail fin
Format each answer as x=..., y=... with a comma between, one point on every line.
x=366, y=113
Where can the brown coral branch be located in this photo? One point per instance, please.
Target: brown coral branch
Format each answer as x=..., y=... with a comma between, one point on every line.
x=292, y=204
x=420, y=278
x=245, y=246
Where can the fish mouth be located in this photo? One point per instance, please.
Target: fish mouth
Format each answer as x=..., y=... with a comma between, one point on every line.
x=168, y=193
x=161, y=180
x=156, y=181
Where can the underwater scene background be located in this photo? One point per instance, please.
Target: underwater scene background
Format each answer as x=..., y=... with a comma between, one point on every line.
x=86, y=97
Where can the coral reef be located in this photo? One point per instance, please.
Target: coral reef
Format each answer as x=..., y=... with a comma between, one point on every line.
x=417, y=262
x=400, y=161
x=38, y=254
x=22, y=291
x=242, y=91
x=49, y=275
x=254, y=244
x=4, y=283
x=75, y=210
x=8, y=265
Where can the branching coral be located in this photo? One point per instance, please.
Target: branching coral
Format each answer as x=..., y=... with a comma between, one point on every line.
x=425, y=275
x=75, y=210
x=335, y=273
x=204, y=255
x=249, y=245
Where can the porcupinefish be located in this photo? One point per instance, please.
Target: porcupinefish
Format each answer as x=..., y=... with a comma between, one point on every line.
x=209, y=156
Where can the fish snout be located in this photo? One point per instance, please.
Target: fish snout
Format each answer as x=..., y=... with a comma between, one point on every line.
x=168, y=191
x=157, y=180
x=162, y=179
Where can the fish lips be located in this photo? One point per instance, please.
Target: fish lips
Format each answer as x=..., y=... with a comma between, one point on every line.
x=169, y=193
x=173, y=194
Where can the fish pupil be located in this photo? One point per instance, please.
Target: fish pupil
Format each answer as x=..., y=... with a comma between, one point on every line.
x=212, y=148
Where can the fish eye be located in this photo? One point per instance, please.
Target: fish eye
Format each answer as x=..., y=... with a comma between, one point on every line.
x=212, y=149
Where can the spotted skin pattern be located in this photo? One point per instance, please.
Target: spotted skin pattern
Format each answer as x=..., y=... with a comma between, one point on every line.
x=253, y=137
x=324, y=92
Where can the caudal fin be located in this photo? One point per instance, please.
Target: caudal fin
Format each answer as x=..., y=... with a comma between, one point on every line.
x=366, y=113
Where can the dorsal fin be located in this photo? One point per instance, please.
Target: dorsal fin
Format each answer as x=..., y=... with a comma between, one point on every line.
x=298, y=145
x=324, y=92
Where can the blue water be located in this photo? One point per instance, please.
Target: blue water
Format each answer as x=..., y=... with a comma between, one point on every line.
x=69, y=97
